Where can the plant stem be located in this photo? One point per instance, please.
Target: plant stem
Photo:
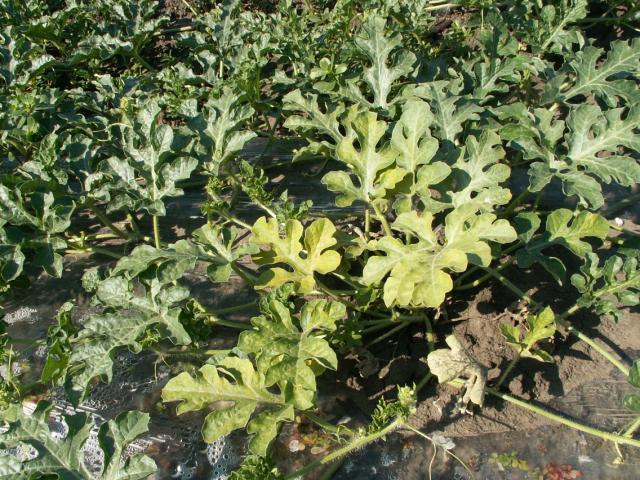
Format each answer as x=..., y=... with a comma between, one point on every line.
x=235, y=308
x=156, y=231
x=134, y=225
x=507, y=283
x=507, y=371
x=515, y=203
x=431, y=339
x=560, y=319
x=565, y=421
x=593, y=344
x=142, y=61
x=486, y=276
x=632, y=428
x=188, y=5
x=354, y=445
x=427, y=437
x=445, y=6
x=329, y=427
x=106, y=222
x=98, y=250
x=421, y=384
x=397, y=328
x=203, y=353
x=621, y=204
x=242, y=272
x=472, y=270
x=213, y=320
x=330, y=471
x=367, y=223
x=383, y=220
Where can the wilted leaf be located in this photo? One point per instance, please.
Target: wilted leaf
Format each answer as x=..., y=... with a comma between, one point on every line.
x=450, y=363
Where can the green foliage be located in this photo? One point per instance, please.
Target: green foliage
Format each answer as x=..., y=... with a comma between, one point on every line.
x=592, y=140
x=127, y=314
x=219, y=127
x=386, y=412
x=253, y=467
x=63, y=457
x=153, y=153
x=550, y=27
x=286, y=355
x=292, y=356
x=423, y=125
x=632, y=400
x=563, y=228
x=368, y=162
x=383, y=71
x=539, y=327
x=604, y=289
x=233, y=380
x=221, y=247
x=34, y=221
x=588, y=73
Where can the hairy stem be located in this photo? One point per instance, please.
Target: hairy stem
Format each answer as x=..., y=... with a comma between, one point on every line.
x=156, y=231
x=213, y=320
x=383, y=220
x=106, y=222
x=329, y=427
x=486, y=276
x=97, y=250
x=560, y=319
x=354, y=445
x=243, y=273
x=507, y=371
x=565, y=421
x=396, y=329
x=235, y=308
x=595, y=345
x=631, y=200
x=515, y=203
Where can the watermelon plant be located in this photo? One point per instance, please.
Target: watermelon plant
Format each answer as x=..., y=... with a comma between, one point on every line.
x=459, y=143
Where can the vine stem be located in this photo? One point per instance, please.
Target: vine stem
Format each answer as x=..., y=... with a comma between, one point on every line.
x=106, y=222
x=632, y=428
x=383, y=221
x=228, y=323
x=156, y=231
x=472, y=270
x=188, y=5
x=101, y=251
x=515, y=203
x=593, y=344
x=339, y=429
x=485, y=277
x=354, y=445
x=621, y=204
x=250, y=278
x=561, y=319
x=422, y=383
x=565, y=421
x=507, y=370
x=235, y=308
x=387, y=334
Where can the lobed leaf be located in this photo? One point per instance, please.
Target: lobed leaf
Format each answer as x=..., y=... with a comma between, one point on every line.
x=317, y=256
